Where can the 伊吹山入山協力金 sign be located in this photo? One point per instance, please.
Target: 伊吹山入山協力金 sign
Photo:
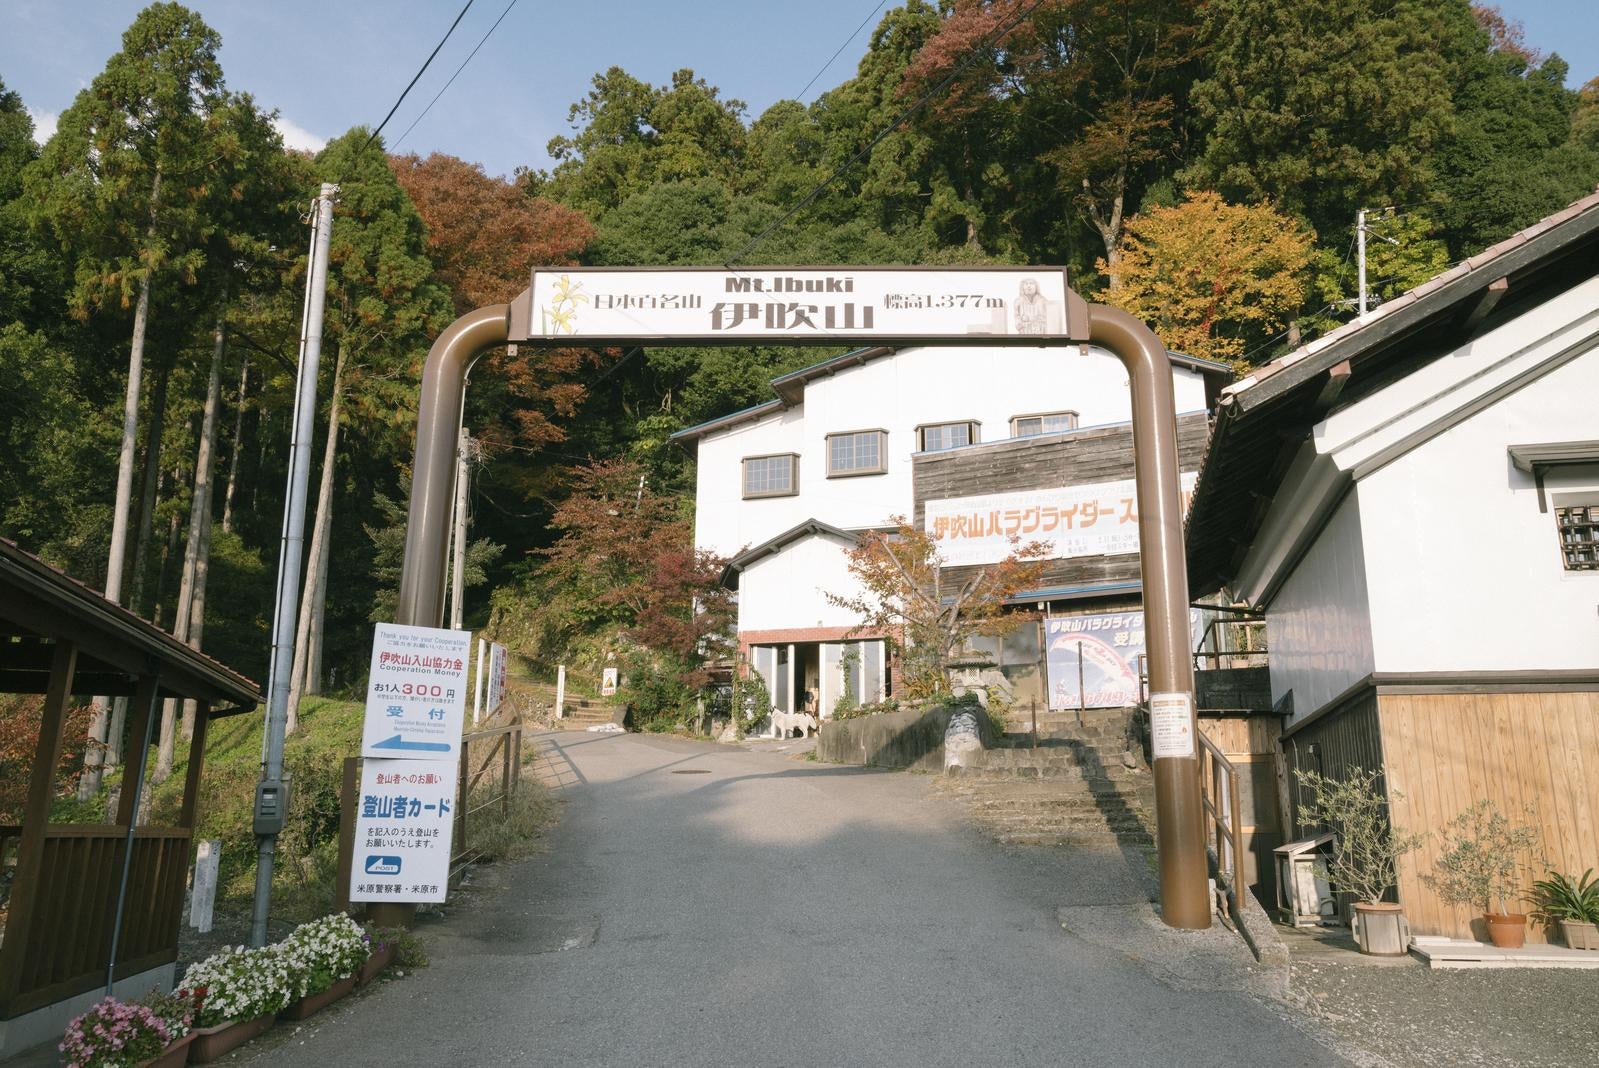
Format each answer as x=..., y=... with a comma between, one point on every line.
x=801, y=305
x=416, y=693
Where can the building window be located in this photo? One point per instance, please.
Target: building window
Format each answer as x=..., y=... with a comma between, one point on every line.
x=1027, y=426
x=771, y=476
x=1578, y=525
x=936, y=437
x=859, y=452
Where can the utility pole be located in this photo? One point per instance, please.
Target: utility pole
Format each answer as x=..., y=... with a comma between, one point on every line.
x=458, y=563
x=1361, y=231
x=271, y=797
x=1360, y=256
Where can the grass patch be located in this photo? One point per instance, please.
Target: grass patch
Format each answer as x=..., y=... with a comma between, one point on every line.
x=305, y=870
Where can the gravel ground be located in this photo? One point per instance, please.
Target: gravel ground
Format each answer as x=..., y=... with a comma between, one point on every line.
x=1415, y=1016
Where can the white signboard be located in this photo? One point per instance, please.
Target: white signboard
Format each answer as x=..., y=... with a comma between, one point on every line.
x=403, y=831
x=1171, y=725
x=496, y=683
x=416, y=693
x=608, y=682
x=1098, y=519
x=1017, y=306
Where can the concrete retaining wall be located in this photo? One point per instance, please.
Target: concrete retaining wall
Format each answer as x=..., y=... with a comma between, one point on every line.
x=909, y=738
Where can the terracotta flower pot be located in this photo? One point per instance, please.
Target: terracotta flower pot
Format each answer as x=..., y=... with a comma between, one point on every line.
x=211, y=1043
x=1380, y=929
x=1507, y=930
x=173, y=1056
x=375, y=965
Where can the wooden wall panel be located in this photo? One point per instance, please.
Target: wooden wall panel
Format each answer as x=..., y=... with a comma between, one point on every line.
x=1097, y=454
x=1536, y=755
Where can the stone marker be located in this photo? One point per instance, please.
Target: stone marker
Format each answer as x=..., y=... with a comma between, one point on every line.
x=207, y=856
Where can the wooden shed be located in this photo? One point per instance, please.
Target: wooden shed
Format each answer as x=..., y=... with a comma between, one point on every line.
x=93, y=905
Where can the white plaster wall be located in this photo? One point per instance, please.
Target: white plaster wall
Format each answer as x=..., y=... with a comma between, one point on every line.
x=789, y=588
x=899, y=393
x=1465, y=571
x=1319, y=627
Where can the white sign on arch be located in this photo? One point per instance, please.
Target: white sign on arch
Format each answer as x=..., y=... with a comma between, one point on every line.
x=803, y=305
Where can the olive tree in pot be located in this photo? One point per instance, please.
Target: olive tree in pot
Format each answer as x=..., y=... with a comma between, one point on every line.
x=1479, y=865
x=1365, y=854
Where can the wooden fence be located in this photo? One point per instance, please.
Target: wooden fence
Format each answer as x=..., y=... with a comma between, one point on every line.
x=66, y=946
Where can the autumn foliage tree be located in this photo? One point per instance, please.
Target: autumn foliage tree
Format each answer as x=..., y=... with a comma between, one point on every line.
x=1212, y=277
x=929, y=611
x=624, y=582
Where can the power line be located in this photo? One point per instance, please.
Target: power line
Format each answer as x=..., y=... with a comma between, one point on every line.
x=419, y=74
x=920, y=103
x=800, y=96
x=457, y=73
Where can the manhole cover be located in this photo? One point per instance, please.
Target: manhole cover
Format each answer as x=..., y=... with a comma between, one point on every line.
x=692, y=771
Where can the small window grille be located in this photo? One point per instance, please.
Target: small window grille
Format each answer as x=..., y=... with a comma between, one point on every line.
x=1578, y=526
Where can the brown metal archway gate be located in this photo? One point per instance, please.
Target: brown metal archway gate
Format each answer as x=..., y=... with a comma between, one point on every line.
x=1179, y=837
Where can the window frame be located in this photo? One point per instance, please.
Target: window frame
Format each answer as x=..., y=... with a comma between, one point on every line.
x=882, y=453
x=971, y=426
x=1074, y=415
x=1571, y=547
x=793, y=476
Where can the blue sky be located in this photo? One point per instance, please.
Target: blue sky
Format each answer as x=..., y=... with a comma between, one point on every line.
x=331, y=65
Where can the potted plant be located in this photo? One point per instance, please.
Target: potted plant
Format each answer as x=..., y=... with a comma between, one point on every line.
x=1574, y=903
x=241, y=991
x=1365, y=854
x=115, y=1033
x=321, y=957
x=380, y=947
x=1479, y=864
x=177, y=1011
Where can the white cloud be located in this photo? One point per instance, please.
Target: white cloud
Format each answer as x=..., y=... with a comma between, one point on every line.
x=44, y=124
x=298, y=137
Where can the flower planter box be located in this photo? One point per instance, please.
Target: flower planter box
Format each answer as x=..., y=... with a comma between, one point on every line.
x=211, y=1043
x=312, y=1004
x=1580, y=935
x=374, y=965
x=174, y=1056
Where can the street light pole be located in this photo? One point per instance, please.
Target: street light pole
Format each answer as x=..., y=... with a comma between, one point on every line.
x=271, y=795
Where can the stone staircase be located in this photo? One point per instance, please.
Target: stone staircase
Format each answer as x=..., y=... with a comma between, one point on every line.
x=1079, y=787
x=581, y=713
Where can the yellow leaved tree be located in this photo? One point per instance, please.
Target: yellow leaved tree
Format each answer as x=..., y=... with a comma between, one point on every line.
x=1211, y=277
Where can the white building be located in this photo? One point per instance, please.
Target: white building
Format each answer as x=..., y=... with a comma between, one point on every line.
x=785, y=487
x=1413, y=502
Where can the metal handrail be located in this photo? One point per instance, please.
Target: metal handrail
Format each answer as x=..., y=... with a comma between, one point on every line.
x=1219, y=794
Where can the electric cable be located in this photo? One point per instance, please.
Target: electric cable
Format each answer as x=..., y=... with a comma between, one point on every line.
x=800, y=96
x=921, y=102
x=419, y=74
x=457, y=73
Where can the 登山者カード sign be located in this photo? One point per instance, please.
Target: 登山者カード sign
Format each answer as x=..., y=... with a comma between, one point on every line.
x=404, y=823
x=801, y=305
x=416, y=693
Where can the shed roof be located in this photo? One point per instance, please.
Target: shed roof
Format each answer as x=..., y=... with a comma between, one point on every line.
x=776, y=543
x=39, y=602
x=1262, y=420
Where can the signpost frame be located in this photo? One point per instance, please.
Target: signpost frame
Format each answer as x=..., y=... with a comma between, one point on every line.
x=1179, y=814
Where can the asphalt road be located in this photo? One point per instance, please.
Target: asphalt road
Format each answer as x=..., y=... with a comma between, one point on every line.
x=704, y=905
